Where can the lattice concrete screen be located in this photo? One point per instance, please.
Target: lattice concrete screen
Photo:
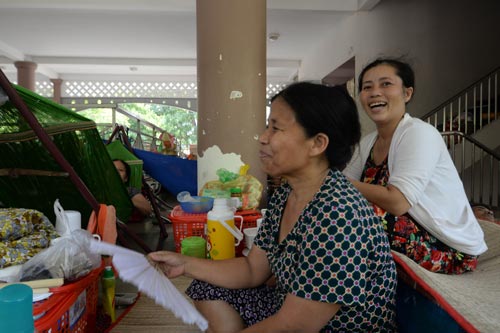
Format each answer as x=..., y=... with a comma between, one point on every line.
x=80, y=94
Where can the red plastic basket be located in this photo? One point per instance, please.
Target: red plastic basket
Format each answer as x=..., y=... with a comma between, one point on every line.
x=187, y=225
x=71, y=308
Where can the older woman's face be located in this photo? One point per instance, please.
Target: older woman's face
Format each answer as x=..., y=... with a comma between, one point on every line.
x=284, y=145
x=383, y=95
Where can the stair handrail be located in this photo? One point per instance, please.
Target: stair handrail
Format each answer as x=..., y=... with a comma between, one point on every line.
x=471, y=139
x=477, y=165
x=457, y=95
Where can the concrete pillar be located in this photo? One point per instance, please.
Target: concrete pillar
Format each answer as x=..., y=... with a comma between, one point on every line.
x=57, y=83
x=26, y=74
x=231, y=55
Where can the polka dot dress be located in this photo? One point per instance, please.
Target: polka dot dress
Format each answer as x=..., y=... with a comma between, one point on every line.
x=337, y=252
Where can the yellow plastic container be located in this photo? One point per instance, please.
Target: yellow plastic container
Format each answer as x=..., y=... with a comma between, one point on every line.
x=222, y=235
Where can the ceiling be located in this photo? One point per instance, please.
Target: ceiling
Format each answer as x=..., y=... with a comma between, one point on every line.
x=147, y=39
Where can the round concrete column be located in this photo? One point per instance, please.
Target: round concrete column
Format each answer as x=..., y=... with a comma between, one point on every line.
x=231, y=55
x=57, y=83
x=26, y=74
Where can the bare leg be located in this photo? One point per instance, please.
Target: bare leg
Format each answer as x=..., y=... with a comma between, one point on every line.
x=222, y=318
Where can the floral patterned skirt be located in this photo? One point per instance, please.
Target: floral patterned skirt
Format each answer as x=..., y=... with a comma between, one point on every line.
x=408, y=237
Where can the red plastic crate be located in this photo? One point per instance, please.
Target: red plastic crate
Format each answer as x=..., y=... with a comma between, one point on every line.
x=71, y=308
x=187, y=225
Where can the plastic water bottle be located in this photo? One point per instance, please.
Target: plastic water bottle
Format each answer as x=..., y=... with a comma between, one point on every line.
x=108, y=287
x=221, y=232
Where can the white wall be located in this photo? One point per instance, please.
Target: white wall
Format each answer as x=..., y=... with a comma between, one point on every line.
x=449, y=43
x=336, y=48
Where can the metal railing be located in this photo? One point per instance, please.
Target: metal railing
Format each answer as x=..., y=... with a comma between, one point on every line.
x=144, y=134
x=459, y=120
x=478, y=167
x=140, y=139
x=471, y=109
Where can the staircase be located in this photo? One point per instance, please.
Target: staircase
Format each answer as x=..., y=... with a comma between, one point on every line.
x=470, y=125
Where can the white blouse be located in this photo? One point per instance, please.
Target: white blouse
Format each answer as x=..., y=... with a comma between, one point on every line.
x=420, y=166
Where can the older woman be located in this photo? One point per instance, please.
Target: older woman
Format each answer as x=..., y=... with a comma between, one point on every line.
x=405, y=170
x=320, y=238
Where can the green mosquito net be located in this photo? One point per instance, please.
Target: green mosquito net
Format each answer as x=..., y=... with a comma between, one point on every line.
x=30, y=177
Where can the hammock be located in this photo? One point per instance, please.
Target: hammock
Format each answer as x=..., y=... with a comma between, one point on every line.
x=118, y=151
x=49, y=152
x=174, y=173
x=30, y=175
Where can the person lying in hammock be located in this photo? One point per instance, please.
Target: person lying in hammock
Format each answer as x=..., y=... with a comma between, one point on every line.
x=140, y=202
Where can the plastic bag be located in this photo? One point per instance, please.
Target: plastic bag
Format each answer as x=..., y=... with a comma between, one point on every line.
x=250, y=187
x=68, y=257
x=225, y=175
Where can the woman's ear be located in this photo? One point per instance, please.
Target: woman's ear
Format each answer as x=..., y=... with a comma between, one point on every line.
x=320, y=142
x=408, y=94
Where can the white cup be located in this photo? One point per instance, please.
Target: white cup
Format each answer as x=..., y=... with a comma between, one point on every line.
x=250, y=234
x=74, y=219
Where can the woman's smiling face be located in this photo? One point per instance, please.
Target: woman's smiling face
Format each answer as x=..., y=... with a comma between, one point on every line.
x=383, y=95
x=284, y=145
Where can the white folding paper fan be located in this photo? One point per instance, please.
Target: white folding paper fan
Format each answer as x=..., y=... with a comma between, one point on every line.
x=133, y=267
